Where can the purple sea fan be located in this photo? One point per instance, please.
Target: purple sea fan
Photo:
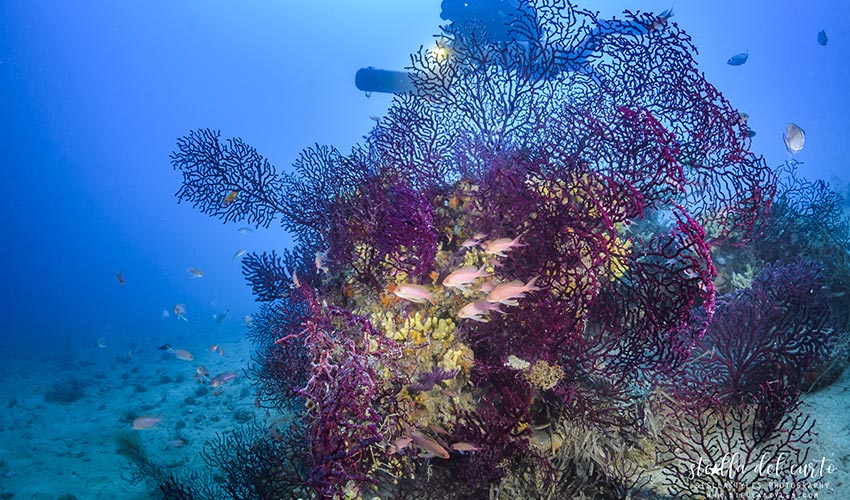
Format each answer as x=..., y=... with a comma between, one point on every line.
x=497, y=426
x=540, y=327
x=769, y=334
x=280, y=369
x=645, y=318
x=427, y=381
x=382, y=230
x=229, y=180
x=707, y=448
x=350, y=395
x=628, y=145
x=271, y=275
x=564, y=215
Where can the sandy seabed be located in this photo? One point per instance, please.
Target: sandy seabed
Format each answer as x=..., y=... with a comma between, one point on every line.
x=53, y=450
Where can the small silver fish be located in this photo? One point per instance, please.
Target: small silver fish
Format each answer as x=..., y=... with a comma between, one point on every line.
x=794, y=137
x=239, y=253
x=822, y=38
x=180, y=311
x=175, y=443
x=145, y=422
x=245, y=230
x=220, y=317
x=222, y=378
x=738, y=59
x=178, y=353
x=661, y=19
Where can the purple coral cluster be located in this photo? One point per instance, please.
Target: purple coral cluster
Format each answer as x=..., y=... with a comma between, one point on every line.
x=581, y=214
x=739, y=395
x=347, y=397
x=768, y=334
x=380, y=231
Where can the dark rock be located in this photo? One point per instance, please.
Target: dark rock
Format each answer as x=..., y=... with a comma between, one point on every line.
x=824, y=375
x=66, y=391
x=243, y=416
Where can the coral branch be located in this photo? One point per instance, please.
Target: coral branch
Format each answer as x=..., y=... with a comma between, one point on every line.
x=229, y=180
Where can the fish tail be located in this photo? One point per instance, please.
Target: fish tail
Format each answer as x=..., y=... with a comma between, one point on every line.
x=482, y=272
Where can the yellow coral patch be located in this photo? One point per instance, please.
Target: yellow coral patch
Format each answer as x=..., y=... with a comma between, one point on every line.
x=619, y=252
x=457, y=358
x=418, y=328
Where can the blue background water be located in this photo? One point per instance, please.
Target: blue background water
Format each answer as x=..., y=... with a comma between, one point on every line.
x=93, y=96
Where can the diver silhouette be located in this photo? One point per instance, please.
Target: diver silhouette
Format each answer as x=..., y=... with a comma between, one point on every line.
x=495, y=19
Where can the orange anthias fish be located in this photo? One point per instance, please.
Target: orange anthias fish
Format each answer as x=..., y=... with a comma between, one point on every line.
x=414, y=293
x=222, y=378
x=229, y=198
x=399, y=444
x=217, y=347
x=180, y=311
x=402, y=442
x=461, y=278
x=145, y=422
x=428, y=444
x=476, y=240
x=463, y=447
x=119, y=277
x=476, y=310
x=499, y=246
x=195, y=272
x=507, y=293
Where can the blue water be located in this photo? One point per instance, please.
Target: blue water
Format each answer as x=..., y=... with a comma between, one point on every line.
x=93, y=96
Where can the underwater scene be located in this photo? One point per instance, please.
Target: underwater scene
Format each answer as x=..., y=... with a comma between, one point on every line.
x=377, y=250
